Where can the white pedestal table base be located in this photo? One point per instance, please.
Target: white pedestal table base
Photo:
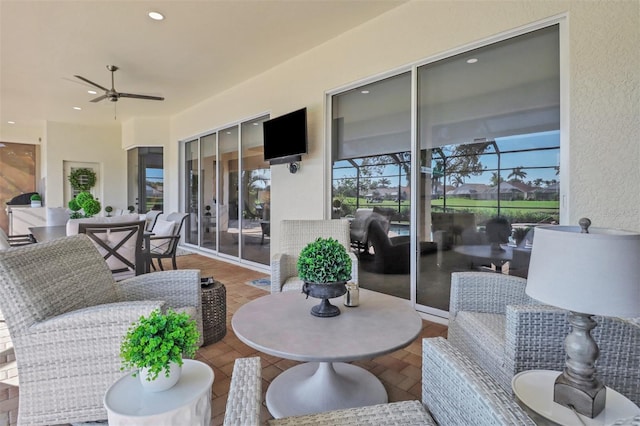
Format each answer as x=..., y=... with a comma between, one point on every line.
x=316, y=387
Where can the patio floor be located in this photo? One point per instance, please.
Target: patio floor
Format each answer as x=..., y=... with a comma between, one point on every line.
x=399, y=371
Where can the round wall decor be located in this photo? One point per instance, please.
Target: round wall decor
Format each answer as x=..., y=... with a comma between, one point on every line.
x=82, y=179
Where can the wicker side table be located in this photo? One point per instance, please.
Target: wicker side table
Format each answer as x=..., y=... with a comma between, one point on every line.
x=214, y=311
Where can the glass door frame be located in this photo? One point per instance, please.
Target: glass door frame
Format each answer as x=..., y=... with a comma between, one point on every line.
x=561, y=21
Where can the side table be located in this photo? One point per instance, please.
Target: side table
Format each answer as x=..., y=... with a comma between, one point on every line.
x=188, y=402
x=534, y=390
x=214, y=310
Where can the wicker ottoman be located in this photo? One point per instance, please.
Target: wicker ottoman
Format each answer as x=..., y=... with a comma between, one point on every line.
x=214, y=311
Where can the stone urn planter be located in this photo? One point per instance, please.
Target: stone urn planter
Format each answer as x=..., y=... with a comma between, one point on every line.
x=325, y=266
x=325, y=292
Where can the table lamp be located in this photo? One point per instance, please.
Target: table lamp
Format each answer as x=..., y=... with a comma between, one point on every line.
x=588, y=272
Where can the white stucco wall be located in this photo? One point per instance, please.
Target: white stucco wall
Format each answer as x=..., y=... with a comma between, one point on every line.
x=601, y=97
x=88, y=144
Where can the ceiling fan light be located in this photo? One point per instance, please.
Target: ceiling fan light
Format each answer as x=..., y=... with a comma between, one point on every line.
x=156, y=16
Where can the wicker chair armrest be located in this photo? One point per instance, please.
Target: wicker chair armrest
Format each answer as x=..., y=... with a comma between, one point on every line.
x=283, y=266
x=177, y=287
x=457, y=391
x=245, y=393
x=163, y=237
x=534, y=337
x=93, y=318
x=486, y=292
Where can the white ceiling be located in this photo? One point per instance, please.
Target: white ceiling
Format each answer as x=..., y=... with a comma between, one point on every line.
x=201, y=48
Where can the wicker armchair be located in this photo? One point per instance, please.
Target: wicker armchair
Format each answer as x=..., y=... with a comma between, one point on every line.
x=454, y=392
x=493, y=321
x=295, y=235
x=66, y=317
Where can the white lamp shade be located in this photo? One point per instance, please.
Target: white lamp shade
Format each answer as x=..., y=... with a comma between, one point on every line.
x=595, y=273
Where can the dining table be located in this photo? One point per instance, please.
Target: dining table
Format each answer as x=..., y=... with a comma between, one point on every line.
x=281, y=325
x=47, y=233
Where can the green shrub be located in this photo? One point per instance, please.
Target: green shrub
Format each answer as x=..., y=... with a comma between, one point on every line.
x=324, y=261
x=156, y=340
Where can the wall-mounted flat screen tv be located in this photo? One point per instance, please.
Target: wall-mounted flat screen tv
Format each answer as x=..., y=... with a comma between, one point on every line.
x=285, y=137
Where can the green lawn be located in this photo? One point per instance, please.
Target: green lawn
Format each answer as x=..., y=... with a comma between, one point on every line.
x=516, y=211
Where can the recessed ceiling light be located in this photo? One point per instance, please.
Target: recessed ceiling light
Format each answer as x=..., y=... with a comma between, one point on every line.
x=92, y=92
x=256, y=124
x=364, y=92
x=156, y=16
x=11, y=122
x=77, y=108
x=472, y=60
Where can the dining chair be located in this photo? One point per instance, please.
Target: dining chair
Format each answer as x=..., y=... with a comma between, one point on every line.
x=120, y=245
x=163, y=244
x=150, y=217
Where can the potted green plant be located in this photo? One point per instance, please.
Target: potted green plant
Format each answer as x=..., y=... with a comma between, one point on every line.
x=156, y=344
x=85, y=201
x=36, y=200
x=325, y=266
x=108, y=209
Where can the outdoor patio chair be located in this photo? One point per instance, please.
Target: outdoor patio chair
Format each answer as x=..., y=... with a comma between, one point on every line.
x=294, y=236
x=493, y=322
x=66, y=318
x=165, y=239
x=455, y=391
x=150, y=218
x=120, y=245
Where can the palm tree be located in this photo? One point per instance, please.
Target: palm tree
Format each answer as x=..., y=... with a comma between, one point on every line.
x=517, y=175
x=495, y=179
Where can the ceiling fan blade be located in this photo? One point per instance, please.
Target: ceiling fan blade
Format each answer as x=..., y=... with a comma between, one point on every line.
x=132, y=95
x=91, y=82
x=99, y=98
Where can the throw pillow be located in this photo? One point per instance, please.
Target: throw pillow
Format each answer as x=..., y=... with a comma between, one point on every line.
x=162, y=228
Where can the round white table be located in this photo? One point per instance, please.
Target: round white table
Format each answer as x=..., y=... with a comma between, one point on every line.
x=281, y=325
x=187, y=402
x=534, y=388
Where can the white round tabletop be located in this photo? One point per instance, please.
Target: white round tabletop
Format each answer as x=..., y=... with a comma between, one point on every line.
x=281, y=324
x=127, y=398
x=535, y=389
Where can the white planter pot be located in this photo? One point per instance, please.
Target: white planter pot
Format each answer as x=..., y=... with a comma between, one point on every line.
x=161, y=383
x=36, y=204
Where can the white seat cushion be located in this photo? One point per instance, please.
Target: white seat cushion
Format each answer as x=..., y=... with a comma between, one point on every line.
x=293, y=284
x=162, y=228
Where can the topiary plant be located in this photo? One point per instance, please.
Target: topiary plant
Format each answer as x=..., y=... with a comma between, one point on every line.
x=82, y=197
x=324, y=260
x=156, y=340
x=36, y=197
x=91, y=207
x=75, y=209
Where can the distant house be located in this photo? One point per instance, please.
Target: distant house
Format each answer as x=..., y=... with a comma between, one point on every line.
x=473, y=191
x=510, y=191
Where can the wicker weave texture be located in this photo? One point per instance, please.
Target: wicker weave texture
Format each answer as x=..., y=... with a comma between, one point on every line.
x=67, y=316
x=245, y=393
x=295, y=235
x=533, y=334
x=214, y=312
x=455, y=391
x=405, y=413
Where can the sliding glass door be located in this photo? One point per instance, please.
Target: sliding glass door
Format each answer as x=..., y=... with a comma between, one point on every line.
x=454, y=162
x=227, y=194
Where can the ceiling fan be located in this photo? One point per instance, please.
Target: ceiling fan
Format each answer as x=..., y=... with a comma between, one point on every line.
x=112, y=94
